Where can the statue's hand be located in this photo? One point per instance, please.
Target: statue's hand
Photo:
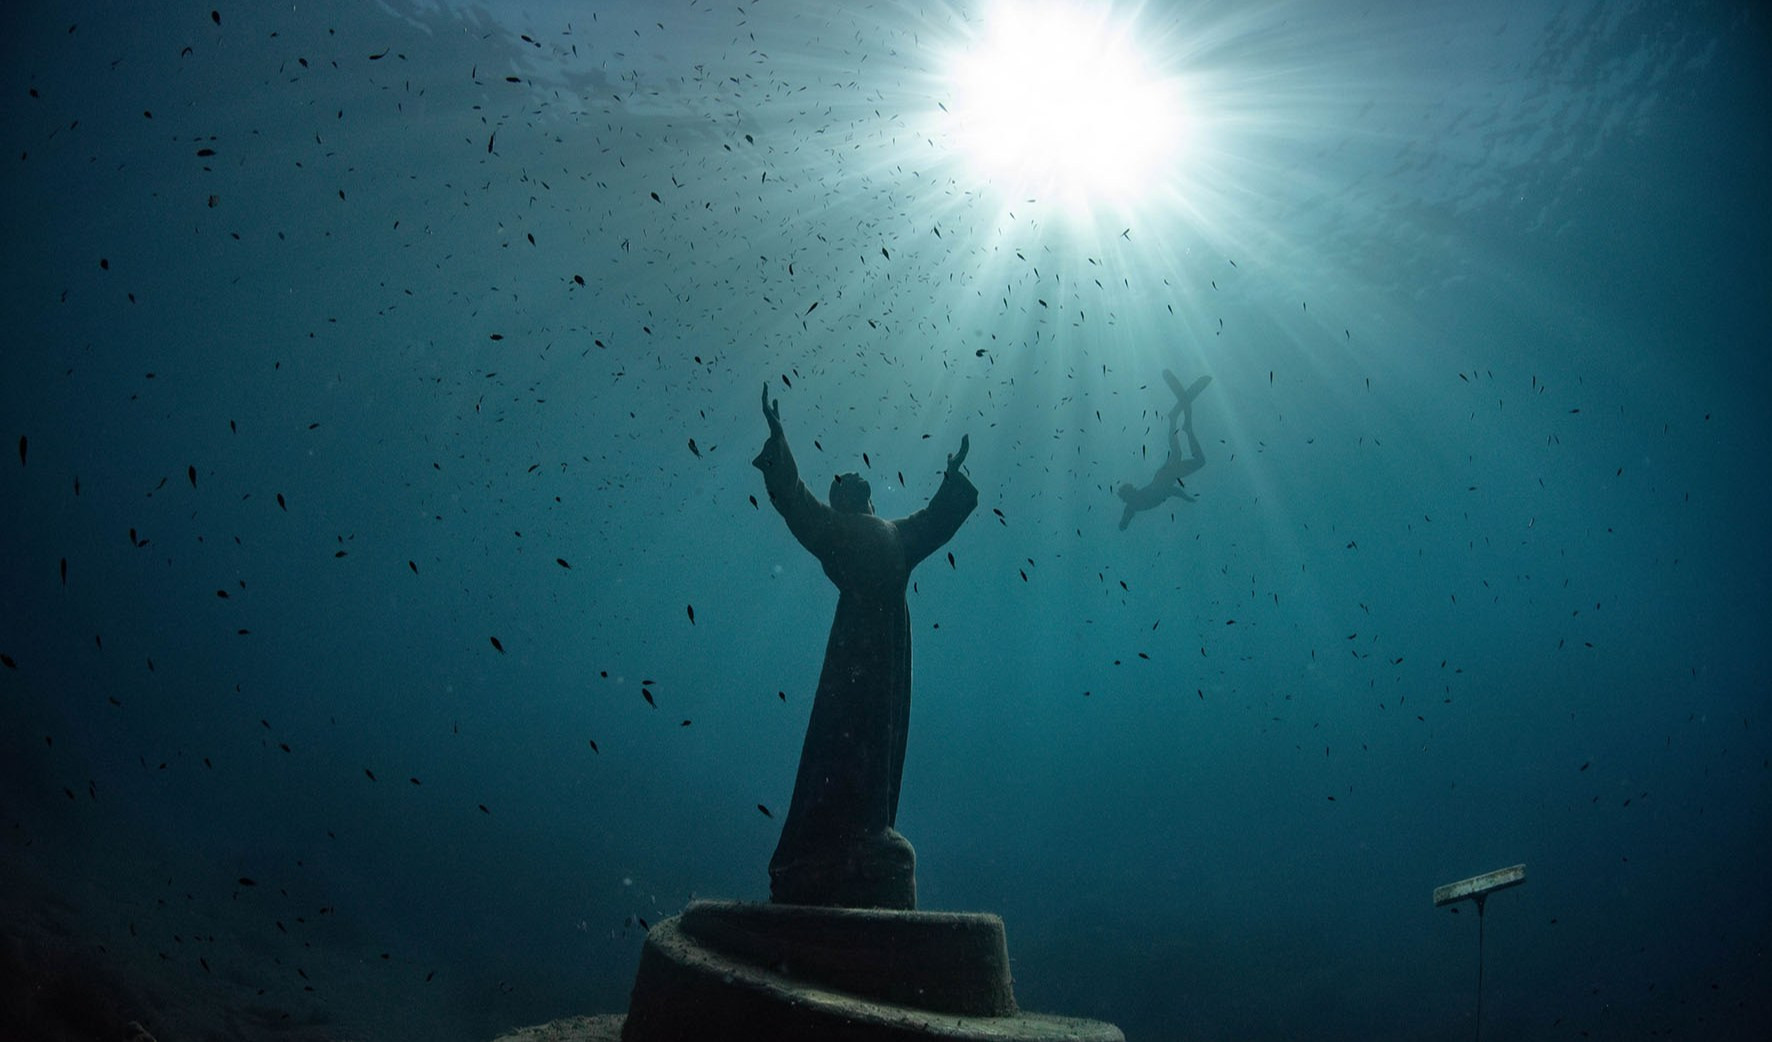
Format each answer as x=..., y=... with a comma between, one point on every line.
x=957, y=458
x=775, y=450
x=772, y=413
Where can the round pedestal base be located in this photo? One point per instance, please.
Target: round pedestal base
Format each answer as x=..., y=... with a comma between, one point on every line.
x=725, y=971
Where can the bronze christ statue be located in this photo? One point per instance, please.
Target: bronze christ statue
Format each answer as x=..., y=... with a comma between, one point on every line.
x=838, y=845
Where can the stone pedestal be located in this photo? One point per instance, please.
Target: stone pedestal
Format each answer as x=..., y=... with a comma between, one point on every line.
x=726, y=971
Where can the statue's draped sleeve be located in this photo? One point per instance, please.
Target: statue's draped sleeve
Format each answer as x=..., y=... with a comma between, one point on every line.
x=925, y=531
x=808, y=519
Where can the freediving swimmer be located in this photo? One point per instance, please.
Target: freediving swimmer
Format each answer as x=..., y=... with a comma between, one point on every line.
x=1167, y=481
x=838, y=845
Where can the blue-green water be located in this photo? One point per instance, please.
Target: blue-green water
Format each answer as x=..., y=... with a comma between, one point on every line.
x=384, y=386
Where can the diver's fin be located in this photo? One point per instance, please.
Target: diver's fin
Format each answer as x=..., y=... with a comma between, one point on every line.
x=1189, y=393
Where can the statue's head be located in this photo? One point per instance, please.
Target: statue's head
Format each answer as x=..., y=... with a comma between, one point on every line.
x=850, y=494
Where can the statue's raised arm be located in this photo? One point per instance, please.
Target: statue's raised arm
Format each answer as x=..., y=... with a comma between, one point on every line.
x=776, y=461
x=955, y=459
x=807, y=518
x=925, y=531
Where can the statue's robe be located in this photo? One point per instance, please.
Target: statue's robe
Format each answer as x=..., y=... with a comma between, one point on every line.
x=838, y=845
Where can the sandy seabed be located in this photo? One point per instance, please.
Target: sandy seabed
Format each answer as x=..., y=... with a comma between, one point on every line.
x=602, y=1028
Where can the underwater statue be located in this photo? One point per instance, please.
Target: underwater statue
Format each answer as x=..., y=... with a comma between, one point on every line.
x=1167, y=481
x=838, y=845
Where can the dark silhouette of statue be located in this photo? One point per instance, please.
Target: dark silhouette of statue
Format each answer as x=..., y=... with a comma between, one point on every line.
x=838, y=845
x=1167, y=481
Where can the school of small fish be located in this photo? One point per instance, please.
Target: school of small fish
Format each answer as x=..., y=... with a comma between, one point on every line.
x=558, y=283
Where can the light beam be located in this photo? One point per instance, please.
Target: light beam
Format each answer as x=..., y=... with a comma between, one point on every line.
x=1059, y=100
